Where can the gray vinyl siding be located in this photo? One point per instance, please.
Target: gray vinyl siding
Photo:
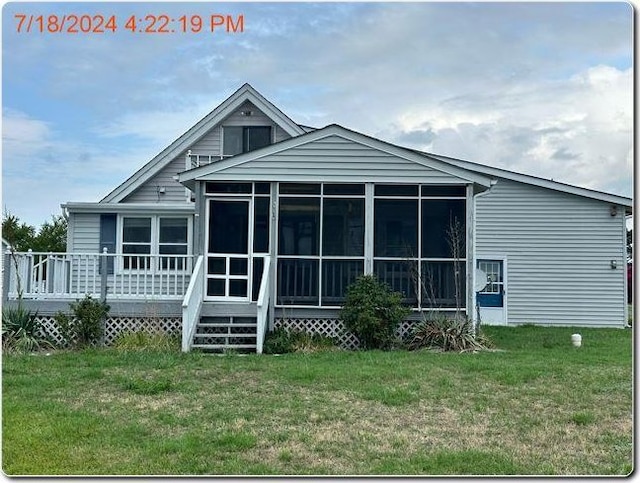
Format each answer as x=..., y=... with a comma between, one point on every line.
x=174, y=191
x=559, y=249
x=84, y=233
x=334, y=159
x=211, y=142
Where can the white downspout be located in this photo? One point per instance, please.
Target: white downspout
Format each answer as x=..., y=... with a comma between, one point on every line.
x=474, y=309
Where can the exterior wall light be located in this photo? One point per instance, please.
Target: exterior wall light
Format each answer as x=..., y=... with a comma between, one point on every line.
x=614, y=210
x=614, y=264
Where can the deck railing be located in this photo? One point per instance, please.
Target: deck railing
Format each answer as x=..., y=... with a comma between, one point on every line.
x=197, y=160
x=192, y=304
x=36, y=275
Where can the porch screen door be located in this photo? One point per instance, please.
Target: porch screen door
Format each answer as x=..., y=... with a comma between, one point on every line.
x=228, y=249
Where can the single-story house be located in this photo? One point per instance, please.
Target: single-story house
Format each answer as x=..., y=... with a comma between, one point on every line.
x=250, y=221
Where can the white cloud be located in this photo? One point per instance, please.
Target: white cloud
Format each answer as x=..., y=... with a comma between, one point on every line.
x=22, y=135
x=577, y=131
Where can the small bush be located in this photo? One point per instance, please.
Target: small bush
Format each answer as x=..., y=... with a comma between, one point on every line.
x=372, y=311
x=85, y=327
x=283, y=341
x=141, y=341
x=447, y=334
x=21, y=331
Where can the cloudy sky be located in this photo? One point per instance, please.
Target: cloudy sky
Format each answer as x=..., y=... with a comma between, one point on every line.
x=539, y=88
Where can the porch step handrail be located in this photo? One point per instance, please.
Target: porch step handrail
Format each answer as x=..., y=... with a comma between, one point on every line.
x=57, y=275
x=263, y=303
x=192, y=304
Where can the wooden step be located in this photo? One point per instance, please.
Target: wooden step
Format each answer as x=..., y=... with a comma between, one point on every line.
x=226, y=324
x=223, y=346
x=226, y=336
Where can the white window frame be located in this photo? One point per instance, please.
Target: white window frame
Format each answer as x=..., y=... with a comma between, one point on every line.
x=155, y=241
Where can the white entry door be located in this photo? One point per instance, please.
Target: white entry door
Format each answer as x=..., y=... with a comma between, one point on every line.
x=492, y=306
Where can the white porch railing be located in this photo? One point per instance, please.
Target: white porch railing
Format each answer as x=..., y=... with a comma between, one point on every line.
x=192, y=304
x=34, y=275
x=263, y=305
x=197, y=160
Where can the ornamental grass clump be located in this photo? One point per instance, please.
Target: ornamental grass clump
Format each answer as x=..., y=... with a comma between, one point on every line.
x=372, y=312
x=447, y=334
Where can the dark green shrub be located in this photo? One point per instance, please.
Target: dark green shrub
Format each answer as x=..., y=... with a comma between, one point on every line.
x=372, y=311
x=447, y=334
x=283, y=341
x=21, y=330
x=85, y=327
x=64, y=324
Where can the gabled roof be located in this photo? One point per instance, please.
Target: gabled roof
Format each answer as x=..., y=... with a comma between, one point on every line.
x=533, y=180
x=201, y=128
x=188, y=177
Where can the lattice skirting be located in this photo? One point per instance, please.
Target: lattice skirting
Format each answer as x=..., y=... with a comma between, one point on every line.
x=118, y=325
x=335, y=329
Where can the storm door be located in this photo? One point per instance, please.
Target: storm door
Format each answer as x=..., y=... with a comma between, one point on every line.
x=491, y=299
x=228, y=259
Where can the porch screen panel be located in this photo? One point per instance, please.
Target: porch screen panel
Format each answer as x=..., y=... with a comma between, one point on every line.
x=343, y=227
x=343, y=236
x=443, y=248
x=396, y=228
x=298, y=238
x=337, y=275
x=299, y=230
x=400, y=276
x=443, y=223
x=298, y=281
x=261, y=225
x=443, y=284
x=228, y=227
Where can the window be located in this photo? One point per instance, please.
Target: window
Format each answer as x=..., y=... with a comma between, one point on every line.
x=242, y=139
x=154, y=235
x=136, y=240
x=173, y=241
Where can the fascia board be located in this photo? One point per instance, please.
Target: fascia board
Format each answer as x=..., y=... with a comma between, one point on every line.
x=541, y=182
x=81, y=207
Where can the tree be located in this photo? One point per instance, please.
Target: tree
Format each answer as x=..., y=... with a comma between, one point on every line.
x=52, y=236
x=19, y=235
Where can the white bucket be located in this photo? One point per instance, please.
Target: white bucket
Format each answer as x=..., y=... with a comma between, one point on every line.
x=576, y=340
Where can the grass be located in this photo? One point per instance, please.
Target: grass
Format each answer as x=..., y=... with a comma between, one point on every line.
x=538, y=407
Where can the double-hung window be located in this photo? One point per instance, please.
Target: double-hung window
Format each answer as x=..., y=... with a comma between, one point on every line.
x=165, y=237
x=242, y=139
x=136, y=241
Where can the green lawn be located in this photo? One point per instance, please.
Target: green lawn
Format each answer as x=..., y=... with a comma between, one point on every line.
x=539, y=406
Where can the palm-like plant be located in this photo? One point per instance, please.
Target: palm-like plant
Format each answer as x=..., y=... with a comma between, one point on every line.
x=21, y=330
